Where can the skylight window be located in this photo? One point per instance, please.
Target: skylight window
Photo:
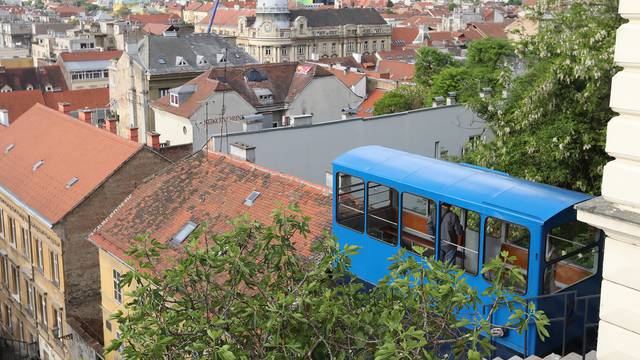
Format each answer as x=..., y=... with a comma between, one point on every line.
x=201, y=60
x=251, y=198
x=162, y=61
x=184, y=233
x=71, y=182
x=180, y=61
x=9, y=148
x=37, y=165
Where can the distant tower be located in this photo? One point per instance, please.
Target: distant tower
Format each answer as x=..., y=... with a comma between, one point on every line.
x=274, y=11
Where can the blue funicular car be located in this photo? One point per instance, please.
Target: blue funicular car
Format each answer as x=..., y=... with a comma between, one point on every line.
x=383, y=199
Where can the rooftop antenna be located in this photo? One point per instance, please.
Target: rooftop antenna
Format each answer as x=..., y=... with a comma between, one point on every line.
x=222, y=119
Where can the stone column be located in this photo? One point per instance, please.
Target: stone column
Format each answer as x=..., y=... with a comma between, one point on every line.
x=617, y=211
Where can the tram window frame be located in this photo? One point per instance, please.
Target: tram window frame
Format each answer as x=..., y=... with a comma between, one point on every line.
x=519, y=288
x=357, y=226
x=430, y=212
x=464, y=217
x=393, y=206
x=591, y=247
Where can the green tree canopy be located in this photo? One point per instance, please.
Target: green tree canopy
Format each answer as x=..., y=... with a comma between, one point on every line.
x=403, y=98
x=246, y=294
x=489, y=52
x=551, y=125
x=429, y=62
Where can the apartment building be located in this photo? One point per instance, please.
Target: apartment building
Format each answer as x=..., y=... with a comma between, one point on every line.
x=87, y=69
x=218, y=190
x=59, y=178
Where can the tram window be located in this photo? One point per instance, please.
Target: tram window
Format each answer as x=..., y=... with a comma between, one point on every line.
x=417, y=229
x=350, y=209
x=515, y=239
x=571, y=255
x=459, y=237
x=382, y=213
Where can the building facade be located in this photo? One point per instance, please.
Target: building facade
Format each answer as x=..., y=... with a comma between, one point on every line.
x=51, y=196
x=150, y=67
x=88, y=69
x=277, y=34
x=617, y=211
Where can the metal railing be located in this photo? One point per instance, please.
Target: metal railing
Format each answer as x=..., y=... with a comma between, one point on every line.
x=11, y=349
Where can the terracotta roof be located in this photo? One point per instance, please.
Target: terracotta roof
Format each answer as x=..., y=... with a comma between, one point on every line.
x=397, y=70
x=401, y=36
x=157, y=29
x=349, y=78
x=90, y=55
x=192, y=5
x=211, y=188
x=20, y=78
x=161, y=18
x=425, y=20
x=204, y=88
x=66, y=11
x=529, y=2
x=97, y=98
x=404, y=54
x=496, y=30
x=206, y=7
x=18, y=102
x=366, y=108
x=69, y=148
x=228, y=16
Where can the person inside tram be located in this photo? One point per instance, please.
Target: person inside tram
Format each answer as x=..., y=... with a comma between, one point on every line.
x=451, y=234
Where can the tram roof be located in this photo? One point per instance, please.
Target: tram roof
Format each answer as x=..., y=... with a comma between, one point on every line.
x=474, y=184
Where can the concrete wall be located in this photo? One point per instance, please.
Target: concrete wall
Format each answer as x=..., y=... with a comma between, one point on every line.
x=324, y=98
x=617, y=212
x=80, y=257
x=307, y=152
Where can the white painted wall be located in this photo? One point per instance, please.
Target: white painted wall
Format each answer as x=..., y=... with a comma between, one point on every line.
x=618, y=211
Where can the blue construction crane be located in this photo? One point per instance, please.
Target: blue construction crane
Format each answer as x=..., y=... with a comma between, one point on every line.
x=213, y=15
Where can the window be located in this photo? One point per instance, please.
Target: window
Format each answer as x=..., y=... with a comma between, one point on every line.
x=459, y=237
x=26, y=243
x=366, y=45
x=117, y=290
x=1, y=223
x=381, y=44
x=5, y=271
x=374, y=45
x=301, y=27
x=382, y=213
x=55, y=270
x=350, y=202
x=57, y=325
x=15, y=282
x=284, y=51
x=333, y=48
x=417, y=229
x=350, y=46
x=43, y=309
x=324, y=48
x=267, y=50
x=174, y=99
x=12, y=230
x=436, y=150
x=571, y=255
x=300, y=50
x=40, y=255
x=502, y=236
x=31, y=299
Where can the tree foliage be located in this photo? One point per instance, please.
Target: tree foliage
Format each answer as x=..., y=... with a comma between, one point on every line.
x=429, y=62
x=403, y=98
x=551, y=125
x=246, y=294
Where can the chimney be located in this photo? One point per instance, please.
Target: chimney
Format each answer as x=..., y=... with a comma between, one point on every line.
x=438, y=101
x=301, y=120
x=4, y=117
x=112, y=126
x=64, y=107
x=243, y=152
x=348, y=113
x=85, y=115
x=133, y=134
x=252, y=122
x=385, y=75
x=153, y=140
x=452, y=98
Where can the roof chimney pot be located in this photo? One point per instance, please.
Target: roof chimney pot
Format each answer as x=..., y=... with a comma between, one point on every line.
x=133, y=134
x=112, y=126
x=153, y=140
x=243, y=152
x=85, y=115
x=64, y=107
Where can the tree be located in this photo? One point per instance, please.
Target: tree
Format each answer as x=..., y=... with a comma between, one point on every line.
x=550, y=126
x=390, y=3
x=245, y=294
x=90, y=7
x=404, y=98
x=123, y=12
x=489, y=52
x=429, y=62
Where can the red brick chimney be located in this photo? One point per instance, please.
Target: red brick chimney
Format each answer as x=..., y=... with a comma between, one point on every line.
x=112, y=126
x=85, y=115
x=64, y=107
x=133, y=134
x=153, y=140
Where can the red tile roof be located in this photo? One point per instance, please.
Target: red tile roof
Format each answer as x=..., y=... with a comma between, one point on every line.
x=162, y=18
x=36, y=77
x=349, y=78
x=90, y=55
x=495, y=30
x=425, y=20
x=70, y=148
x=228, y=16
x=18, y=102
x=211, y=188
x=156, y=29
x=402, y=36
x=366, y=108
x=397, y=70
x=404, y=54
x=97, y=98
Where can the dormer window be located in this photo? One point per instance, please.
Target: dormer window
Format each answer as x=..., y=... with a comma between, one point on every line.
x=221, y=58
x=29, y=87
x=48, y=88
x=174, y=99
x=200, y=60
x=180, y=61
x=6, y=89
